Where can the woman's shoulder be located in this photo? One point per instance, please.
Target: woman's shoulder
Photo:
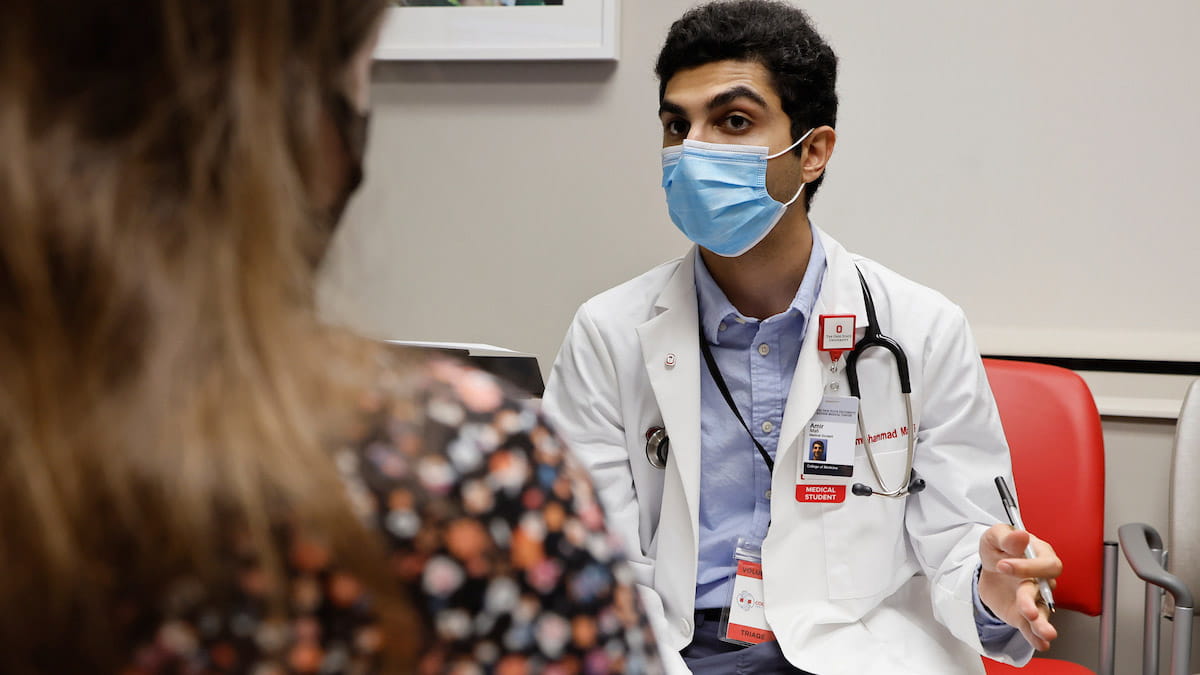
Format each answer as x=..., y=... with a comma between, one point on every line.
x=415, y=386
x=490, y=531
x=439, y=436
x=492, y=526
x=433, y=422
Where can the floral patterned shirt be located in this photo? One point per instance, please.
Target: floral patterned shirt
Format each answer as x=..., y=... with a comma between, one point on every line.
x=491, y=528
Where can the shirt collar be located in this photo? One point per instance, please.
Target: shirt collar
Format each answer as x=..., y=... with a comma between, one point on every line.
x=716, y=308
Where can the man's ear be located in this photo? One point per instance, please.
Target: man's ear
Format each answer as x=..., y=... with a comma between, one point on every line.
x=817, y=152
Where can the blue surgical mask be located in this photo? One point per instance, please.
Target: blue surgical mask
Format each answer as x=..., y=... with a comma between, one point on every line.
x=717, y=194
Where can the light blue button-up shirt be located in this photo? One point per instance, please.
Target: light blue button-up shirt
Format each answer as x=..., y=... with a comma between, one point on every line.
x=757, y=359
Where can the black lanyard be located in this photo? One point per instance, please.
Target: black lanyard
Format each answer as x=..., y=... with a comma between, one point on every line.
x=716, y=376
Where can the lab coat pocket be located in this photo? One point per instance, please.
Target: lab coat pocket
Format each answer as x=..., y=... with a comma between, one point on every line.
x=864, y=536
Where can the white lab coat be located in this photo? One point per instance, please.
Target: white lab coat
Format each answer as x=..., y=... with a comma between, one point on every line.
x=870, y=585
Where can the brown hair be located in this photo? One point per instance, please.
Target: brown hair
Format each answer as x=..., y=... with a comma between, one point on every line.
x=163, y=379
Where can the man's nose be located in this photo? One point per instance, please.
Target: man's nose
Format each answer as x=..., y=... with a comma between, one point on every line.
x=702, y=133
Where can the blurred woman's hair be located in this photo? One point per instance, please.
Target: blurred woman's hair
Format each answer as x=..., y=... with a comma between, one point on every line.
x=165, y=388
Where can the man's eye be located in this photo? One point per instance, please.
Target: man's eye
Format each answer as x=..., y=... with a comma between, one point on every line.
x=677, y=128
x=737, y=123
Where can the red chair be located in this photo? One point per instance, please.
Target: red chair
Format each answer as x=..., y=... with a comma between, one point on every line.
x=1053, y=431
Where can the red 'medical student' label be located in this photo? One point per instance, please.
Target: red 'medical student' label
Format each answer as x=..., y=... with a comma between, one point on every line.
x=821, y=493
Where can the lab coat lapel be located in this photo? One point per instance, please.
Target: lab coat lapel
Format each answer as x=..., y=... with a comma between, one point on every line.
x=840, y=294
x=671, y=355
x=790, y=570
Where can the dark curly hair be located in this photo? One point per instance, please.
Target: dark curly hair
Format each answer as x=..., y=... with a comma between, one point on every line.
x=781, y=37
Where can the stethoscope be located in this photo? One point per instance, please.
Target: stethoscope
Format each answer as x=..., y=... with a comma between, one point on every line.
x=875, y=338
x=658, y=444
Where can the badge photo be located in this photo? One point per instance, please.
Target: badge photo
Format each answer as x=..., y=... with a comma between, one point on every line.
x=829, y=438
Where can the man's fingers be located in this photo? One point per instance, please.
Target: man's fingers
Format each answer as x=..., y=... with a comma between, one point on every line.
x=1032, y=638
x=1014, y=542
x=1042, y=548
x=993, y=535
x=1043, y=628
x=1033, y=621
x=1027, y=600
x=1002, y=549
x=994, y=546
x=1035, y=613
x=1001, y=537
x=1038, y=568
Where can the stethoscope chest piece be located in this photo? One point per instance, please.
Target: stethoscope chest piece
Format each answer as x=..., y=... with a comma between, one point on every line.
x=657, y=447
x=915, y=486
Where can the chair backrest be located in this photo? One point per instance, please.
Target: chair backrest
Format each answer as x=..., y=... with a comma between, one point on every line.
x=1183, y=542
x=1057, y=447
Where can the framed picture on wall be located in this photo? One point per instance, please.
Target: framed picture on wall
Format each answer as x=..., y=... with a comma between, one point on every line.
x=506, y=30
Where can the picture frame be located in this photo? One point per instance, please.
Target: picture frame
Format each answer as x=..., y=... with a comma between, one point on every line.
x=576, y=30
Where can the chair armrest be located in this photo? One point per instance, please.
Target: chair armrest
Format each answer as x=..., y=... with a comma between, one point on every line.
x=1136, y=541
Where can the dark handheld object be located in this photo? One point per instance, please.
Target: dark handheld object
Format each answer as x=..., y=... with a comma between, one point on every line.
x=1006, y=496
x=1014, y=519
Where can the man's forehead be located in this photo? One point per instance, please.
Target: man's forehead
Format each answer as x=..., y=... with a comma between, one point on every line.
x=699, y=84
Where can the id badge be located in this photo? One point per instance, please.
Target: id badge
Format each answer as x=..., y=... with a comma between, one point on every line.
x=827, y=459
x=744, y=617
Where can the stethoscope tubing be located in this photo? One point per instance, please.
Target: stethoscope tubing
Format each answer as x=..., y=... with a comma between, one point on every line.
x=884, y=490
x=874, y=337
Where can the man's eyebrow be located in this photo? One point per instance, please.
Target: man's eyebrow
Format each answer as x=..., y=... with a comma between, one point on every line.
x=731, y=95
x=724, y=98
x=669, y=107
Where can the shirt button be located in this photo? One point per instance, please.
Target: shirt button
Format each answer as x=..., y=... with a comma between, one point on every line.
x=722, y=327
x=768, y=494
x=767, y=427
x=764, y=349
x=739, y=319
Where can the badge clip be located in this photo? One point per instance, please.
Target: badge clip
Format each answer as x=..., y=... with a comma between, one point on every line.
x=837, y=334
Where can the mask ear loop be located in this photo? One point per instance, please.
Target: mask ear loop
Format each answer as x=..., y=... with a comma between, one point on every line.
x=797, y=196
x=785, y=151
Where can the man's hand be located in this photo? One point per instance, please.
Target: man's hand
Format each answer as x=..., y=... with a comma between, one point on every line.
x=1008, y=581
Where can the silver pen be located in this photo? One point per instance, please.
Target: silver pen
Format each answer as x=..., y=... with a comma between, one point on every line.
x=1014, y=519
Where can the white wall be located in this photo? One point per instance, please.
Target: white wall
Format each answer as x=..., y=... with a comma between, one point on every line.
x=501, y=195
x=1034, y=159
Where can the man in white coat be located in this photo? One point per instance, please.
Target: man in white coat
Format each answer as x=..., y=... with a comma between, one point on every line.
x=693, y=393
